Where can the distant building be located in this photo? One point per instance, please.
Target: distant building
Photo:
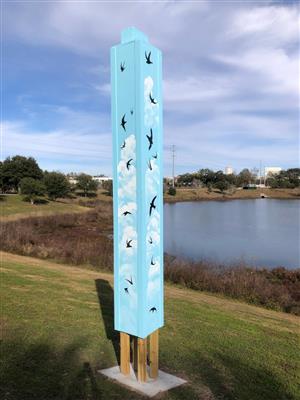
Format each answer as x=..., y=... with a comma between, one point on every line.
x=72, y=178
x=272, y=171
x=169, y=180
x=228, y=170
x=100, y=179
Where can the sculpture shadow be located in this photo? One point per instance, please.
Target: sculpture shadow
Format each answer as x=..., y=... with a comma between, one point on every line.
x=41, y=370
x=106, y=301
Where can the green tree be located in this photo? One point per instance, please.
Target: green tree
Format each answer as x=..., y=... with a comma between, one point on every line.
x=172, y=191
x=222, y=185
x=56, y=185
x=244, y=177
x=1, y=177
x=108, y=186
x=32, y=188
x=86, y=184
x=16, y=168
x=285, y=179
x=185, y=179
x=206, y=176
x=231, y=179
x=293, y=175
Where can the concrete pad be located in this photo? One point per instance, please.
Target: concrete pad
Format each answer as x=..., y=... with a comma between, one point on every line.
x=150, y=388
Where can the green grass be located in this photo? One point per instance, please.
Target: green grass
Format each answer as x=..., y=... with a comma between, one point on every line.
x=57, y=332
x=13, y=206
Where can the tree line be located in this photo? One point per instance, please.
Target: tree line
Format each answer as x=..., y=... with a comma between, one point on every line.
x=23, y=175
x=218, y=180
x=285, y=179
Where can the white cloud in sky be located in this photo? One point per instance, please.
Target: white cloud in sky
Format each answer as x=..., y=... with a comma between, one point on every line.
x=278, y=23
x=104, y=89
x=18, y=138
x=277, y=69
x=231, y=84
x=191, y=90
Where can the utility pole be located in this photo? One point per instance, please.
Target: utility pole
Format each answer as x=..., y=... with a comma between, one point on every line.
x=254, y=172
x=173, y=164
x=260, y=173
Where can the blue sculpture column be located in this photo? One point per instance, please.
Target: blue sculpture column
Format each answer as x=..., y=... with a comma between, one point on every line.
x=136, y=80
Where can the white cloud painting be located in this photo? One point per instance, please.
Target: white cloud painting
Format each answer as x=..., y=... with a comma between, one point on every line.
x=152, y=181
x=127, y=242
x=151, y=116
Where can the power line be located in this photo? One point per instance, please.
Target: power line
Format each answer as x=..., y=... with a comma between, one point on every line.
x=260, y=173
x=173, y=164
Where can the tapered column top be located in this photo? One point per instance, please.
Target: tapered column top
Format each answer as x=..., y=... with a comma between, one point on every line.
x=132, y=34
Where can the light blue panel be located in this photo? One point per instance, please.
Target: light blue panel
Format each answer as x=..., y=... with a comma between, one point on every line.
x=138, y=182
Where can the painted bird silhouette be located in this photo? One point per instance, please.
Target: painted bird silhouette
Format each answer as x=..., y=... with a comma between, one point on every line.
x=153, y=101
x=153, y=309
x=123, y=145
x=152, y=262
x=129, y=280
x=150, y=240
x=152, y=205
x=155, y=156
x=128, y=243
x=122, y=66
x=150, y=139
x=149, y=165
x=126, y=290
x=128, y=164
x=148, y=58
x=126, y=213
x=123, y=122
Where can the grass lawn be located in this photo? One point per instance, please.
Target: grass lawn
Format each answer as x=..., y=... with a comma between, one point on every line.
x=57, y=328
x=12, y=206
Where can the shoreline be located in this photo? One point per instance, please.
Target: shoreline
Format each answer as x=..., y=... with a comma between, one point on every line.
x=223, y=265
x=171, y=201
x=185, y=195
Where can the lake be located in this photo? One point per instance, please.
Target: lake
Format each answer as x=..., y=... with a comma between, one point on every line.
x=262, y=232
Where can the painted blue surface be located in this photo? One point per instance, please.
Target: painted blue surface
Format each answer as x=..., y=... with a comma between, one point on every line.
x=136, y=80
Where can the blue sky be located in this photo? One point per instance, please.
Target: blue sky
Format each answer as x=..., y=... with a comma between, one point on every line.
x=231, y=86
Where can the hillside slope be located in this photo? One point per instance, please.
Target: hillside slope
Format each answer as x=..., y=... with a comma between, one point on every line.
x=57, y=328
x=13, y=207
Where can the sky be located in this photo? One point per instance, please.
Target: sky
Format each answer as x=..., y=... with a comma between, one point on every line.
x=230, y=81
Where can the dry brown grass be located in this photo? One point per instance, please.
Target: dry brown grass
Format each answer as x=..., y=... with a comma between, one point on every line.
x=86, y=239
x=71, y=238
x=198, y=194
x=277, y=288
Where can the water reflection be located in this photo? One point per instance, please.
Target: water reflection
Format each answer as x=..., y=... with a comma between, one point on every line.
x=262, y=232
